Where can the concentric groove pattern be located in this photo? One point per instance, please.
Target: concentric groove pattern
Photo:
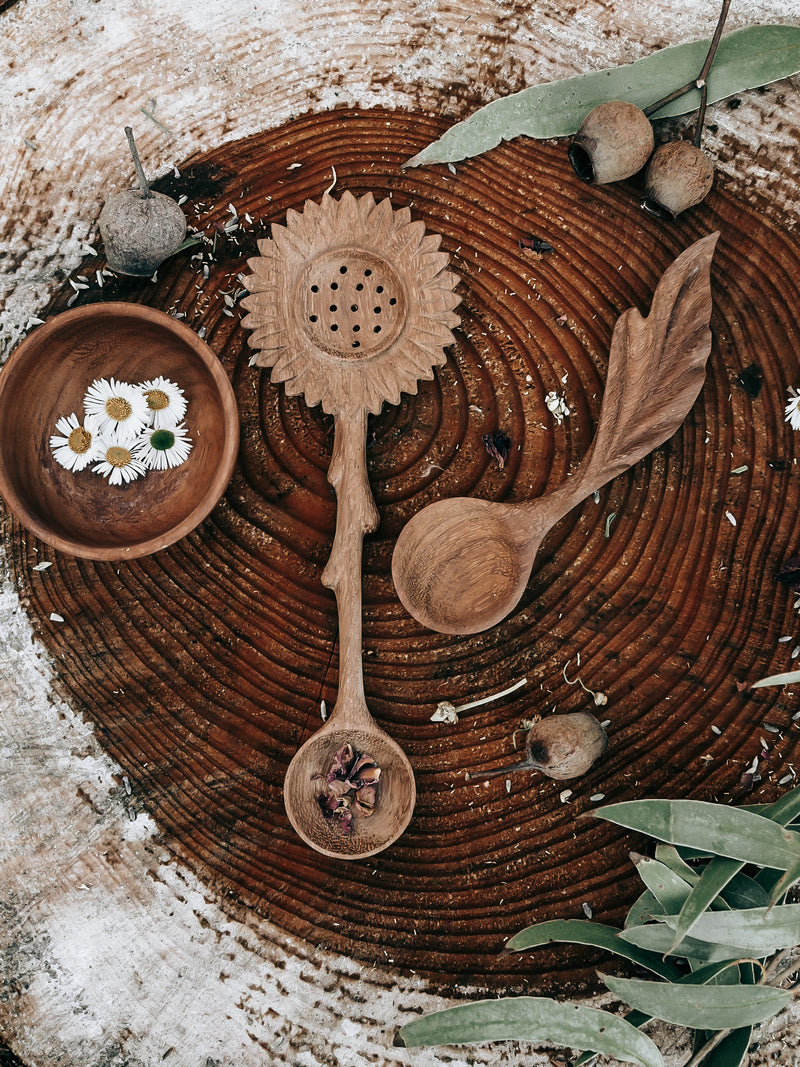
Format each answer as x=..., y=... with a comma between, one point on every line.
x=203, y=667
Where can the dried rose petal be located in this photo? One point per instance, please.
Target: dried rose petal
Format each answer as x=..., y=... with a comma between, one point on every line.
x=497, y=445
x=351, y=784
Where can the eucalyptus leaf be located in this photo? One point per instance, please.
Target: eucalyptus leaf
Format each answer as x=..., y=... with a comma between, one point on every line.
x=536, y=1019
x=721, y=872
x=644, y=908
x=670, y=856
x=705, y=1007
x=758, y=931
x=669, y=889
x=596, y=935
x=656, y=937
x=724, y=831
x=745, y=59
x=732, y=1050
x=744, y=892
x=789, y=678
x=713, y=880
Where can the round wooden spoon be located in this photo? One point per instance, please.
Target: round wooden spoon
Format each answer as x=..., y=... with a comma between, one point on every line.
x=351, y=304
x=461, y=565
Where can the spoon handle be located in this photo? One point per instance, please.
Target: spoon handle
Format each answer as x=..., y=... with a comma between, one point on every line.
x=656, y=368
x=356, y=515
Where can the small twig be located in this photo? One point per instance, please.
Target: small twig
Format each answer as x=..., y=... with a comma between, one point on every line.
x=152, y=118
x=447, y=712
x=137, y=163
x=775, y=963
x=700, y=82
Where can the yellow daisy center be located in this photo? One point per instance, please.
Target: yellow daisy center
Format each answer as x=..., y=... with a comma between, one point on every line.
x=79, y=440
x=118, y=408
x=157, y=399
x=117, y=456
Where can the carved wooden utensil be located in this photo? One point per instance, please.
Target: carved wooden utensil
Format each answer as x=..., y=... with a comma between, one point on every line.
x=461, y=565
x=351, y=304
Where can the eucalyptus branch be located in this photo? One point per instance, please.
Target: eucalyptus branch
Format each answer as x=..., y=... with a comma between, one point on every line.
x=700, y=82
x=774, y=965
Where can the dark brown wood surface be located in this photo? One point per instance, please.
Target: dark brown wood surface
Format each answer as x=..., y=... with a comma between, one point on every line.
x=203, y=666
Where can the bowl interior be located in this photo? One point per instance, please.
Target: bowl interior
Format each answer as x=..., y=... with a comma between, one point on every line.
x=47, y=377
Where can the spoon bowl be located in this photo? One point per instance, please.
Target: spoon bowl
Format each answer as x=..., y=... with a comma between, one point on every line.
x=463, y=563
x=395, y=798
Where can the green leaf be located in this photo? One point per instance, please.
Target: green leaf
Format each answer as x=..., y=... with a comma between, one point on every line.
x=744, y=892
x=670, y=856
x=669, y=889
x=596, y=935
x=722, y=830
x=536, y=1019
x=746, y=58
x=644, y=908
x=789, y=678
x=659, y=938
x=705, y=1007
x=732, y=1050
x=757, y=931
x=713, y=880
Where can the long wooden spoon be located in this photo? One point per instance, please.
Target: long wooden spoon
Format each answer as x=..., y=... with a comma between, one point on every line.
x=351, y=305
x=461, y=565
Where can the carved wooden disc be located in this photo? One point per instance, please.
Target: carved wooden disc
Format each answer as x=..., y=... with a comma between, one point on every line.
x=203, y=666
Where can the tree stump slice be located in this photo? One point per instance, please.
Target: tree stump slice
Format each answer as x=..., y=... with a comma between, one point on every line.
x=202, y=667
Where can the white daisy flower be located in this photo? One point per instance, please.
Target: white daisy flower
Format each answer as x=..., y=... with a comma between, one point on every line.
x=793, y=408
x=166, y=403
x=119, y=408
x=163, y=448
x=76, y=444
x=117, y=461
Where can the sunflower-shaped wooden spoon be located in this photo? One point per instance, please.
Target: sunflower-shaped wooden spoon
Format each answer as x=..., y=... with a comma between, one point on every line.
x=351, y=304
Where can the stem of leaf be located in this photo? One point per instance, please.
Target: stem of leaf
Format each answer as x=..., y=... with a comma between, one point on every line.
x=700, y=82
x=711, y=1044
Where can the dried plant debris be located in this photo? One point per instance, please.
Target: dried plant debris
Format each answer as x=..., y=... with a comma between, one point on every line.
x=350, y=787
x=497, y=445
x=751, y=379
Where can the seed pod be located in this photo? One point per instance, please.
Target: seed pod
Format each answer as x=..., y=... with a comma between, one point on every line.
x=140, y=232
x=560, y=746
x=678, y=176
x=140, y=228
x=565, y=746
x=614, y=142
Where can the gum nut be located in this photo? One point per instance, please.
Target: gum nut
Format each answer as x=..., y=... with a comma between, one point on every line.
x=565, y=746
x=140, y=232
x=677, y=177
x=614, y=142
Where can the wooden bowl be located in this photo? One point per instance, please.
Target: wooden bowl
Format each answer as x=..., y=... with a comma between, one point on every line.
x=47, y=376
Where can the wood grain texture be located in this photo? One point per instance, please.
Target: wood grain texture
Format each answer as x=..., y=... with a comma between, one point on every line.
x=115, y=953
x=203, y=666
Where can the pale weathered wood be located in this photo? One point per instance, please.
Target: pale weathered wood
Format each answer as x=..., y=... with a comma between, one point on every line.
x=462, y=564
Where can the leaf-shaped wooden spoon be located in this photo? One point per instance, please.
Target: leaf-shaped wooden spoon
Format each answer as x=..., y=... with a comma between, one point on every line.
x=461, y=565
